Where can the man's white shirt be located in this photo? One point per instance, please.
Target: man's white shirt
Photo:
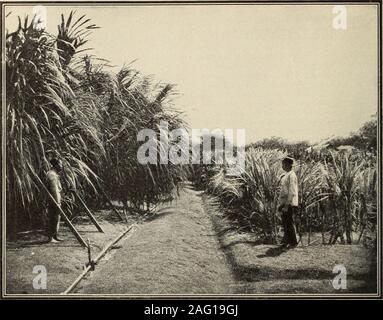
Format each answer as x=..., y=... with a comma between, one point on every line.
x=289, y=189
x=54, y=185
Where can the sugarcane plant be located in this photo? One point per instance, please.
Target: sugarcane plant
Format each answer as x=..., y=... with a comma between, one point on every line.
x=342, y=177
x=44, y=119
x=62, y=102
x=337, y=195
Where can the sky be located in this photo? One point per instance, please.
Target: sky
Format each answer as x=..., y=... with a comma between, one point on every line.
x=273, y=70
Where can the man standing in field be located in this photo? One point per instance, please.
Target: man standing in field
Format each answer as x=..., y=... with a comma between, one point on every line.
x=288, y=203
x=54, y=184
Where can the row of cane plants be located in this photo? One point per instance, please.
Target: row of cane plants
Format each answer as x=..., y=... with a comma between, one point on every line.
x=337, y=196
x=63, y=102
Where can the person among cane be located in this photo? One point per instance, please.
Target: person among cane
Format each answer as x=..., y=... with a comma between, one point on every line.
x=288, y=203
x=54, y=184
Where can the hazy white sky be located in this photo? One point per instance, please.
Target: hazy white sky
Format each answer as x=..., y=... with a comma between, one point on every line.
x=274, y=70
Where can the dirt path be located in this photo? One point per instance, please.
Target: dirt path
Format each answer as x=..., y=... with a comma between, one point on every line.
x=175, y=253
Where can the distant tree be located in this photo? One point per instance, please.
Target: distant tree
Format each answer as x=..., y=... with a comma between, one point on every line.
x=368, y=133
x=295, y=149
x=271, y=143
x=363, y=139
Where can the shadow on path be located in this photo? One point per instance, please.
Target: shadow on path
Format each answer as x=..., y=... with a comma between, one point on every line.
x=159, y=215
x=272, y=252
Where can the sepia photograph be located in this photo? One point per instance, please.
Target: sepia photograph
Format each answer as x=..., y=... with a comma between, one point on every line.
x=191, y=150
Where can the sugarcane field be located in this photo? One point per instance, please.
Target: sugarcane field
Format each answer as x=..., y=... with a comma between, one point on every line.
x=191, y=150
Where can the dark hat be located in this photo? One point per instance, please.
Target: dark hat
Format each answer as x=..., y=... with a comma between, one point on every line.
x=54, y=161
x=288, y=160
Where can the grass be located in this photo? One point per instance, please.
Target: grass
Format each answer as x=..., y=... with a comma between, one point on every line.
x=176, y=252
x=183, y=249
x=64, y=261
x=260, y=268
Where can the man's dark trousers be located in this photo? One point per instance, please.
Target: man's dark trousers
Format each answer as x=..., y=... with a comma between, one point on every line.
x=289, y=236
x=53, y=219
